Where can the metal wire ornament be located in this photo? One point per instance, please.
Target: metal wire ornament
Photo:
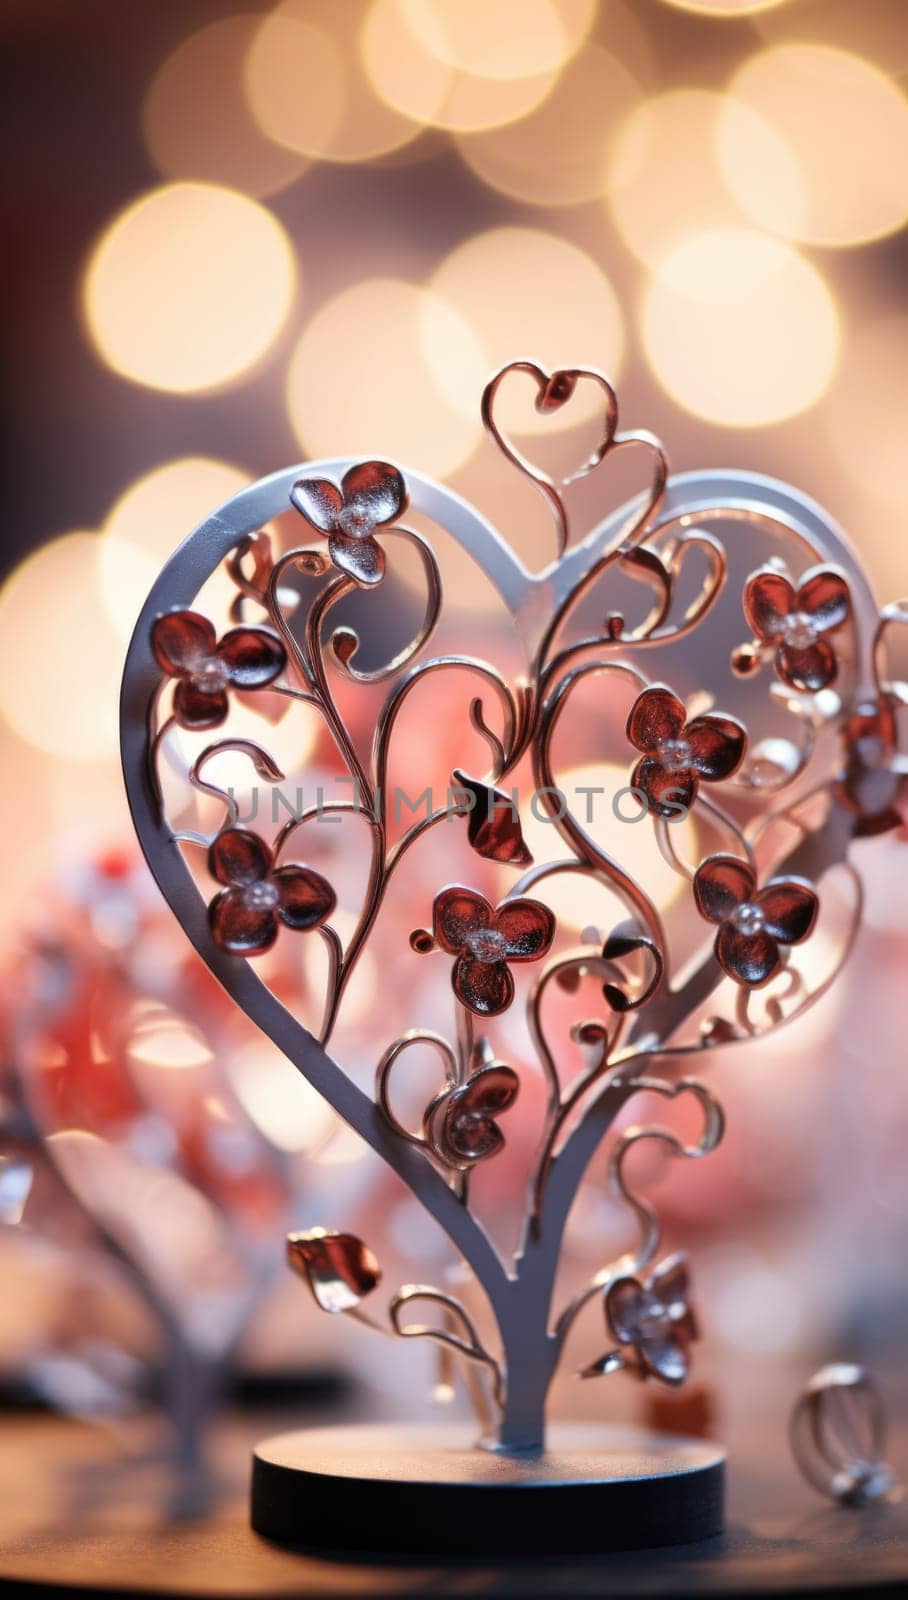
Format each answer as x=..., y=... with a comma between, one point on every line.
x=761, y=889
x=838, y=1436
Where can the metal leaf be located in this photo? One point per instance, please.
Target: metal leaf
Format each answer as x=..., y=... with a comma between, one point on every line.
x=339, y=1269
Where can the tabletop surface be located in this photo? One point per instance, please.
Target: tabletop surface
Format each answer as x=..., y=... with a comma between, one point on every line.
x=82, y=1507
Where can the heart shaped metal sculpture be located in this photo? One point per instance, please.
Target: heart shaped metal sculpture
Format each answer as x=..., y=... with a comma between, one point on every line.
x=782, y=806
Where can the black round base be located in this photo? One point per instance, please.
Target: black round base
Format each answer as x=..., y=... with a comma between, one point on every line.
x=426, y=1490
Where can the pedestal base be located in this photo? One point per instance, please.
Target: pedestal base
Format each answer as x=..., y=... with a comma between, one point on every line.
x=428, y=1490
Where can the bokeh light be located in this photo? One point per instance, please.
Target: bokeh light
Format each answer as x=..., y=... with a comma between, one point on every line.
x=740, y=329
x=578, y=901
x=307, y=88
x=384, y=342
x=501, y=282
x=158, y=1037
x=666, y=181
x=559, y=155
x=875, y=29
x=280, y=1101
x=197, y=120
x=500, y=38
x=844, y=123
x=188, y=287
x=867, y=412
x=726, y=8
x=149, y=520
x=419, y=84
x=62, y=657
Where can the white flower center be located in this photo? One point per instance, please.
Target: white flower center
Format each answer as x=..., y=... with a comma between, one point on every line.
x=355, y=522
x=260, y=896
x=800, y=631
x=211, y=676
x=748, y=919
x=675, y=754
x=654, y=1319
x=486, y=945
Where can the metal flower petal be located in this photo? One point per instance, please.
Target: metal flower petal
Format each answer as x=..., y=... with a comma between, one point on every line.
x=238, y=856
x=624, y=1307
x=655, y=1318
x=528, y=928
x=199, y=709
x=790, y=908
x=716, y=745
x=721, y=883
x=376, y=490
x=254, y=657
x=337, y=1267
x=750, y=958
x=466, y=1119
x=656, y=717
x=485, y=987
x=810, y=667
x=825, y=597
x=181, y=640
x=671, y=1281
x=306, y=898
x=666, y=1359
x=239, y=926
x=360, y=557
x=769, y=598
x=456, y=913
x=319, y=501
x=665, y=789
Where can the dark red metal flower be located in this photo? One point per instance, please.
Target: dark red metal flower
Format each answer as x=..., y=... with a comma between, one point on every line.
x=655, y=1319
x=186, y=647
x=244, y=918
x=485, y=939
x=460, y=1124
x=752, y=923
x=369, y=496
x=677, y=754
x=795, y=621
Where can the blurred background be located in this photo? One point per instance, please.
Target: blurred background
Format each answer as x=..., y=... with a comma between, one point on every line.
x=242, y=235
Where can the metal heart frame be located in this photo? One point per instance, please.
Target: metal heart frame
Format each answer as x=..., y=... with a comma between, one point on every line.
x=519, y=1292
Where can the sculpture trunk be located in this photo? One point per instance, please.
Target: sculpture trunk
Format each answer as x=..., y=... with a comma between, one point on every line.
x=530, y=1356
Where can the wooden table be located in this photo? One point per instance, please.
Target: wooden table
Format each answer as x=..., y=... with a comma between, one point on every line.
x=78, y=1513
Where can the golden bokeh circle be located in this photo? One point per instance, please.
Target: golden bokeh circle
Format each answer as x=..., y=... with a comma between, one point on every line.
x=501, y=282
x=725, y=8
x=196, y=119
x=418, y=84
x=666, y=182
x=740, y=329
x=150, y=519
x=499, y=38
x=307, y=88
x=559, y=154
x=867, y=411
x=188, y=287
x=62, y=656
x=845, y=124
x=363, y=377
